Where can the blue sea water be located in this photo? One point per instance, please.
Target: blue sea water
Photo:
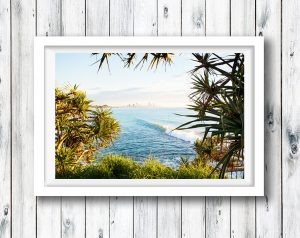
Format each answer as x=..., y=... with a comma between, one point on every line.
x=149, y=132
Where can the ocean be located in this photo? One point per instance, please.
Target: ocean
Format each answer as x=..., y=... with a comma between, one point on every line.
x=149, y=132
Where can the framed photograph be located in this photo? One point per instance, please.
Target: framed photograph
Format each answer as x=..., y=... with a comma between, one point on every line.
x=118, y=116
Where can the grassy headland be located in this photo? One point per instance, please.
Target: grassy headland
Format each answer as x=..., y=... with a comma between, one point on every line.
x=121, y=167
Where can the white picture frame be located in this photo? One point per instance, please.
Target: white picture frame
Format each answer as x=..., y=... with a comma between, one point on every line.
x=45, y=183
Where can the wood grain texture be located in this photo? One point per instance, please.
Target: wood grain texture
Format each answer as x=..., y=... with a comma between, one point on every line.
x=268, y=208
x=242, y=18
x=218, y=208
x=242, y=217
x=290, y=118
x=48, y=23
x=73, y=17
x=5, y=121
x=193, y=17
x=121, y=17
x=242, y=208
x=217, y=217
x=97, y=217
x=145, y=217
x=145, y=18
x=97, y=18
x=169, y=217
x=121, y=217
x=193, y=217
x=23, y=201
x=48, y=223
x=73, y=217
x=218, y=17
x=169, y=17
x=48, y=20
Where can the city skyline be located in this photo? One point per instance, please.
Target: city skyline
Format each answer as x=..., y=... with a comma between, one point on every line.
x=167, y=86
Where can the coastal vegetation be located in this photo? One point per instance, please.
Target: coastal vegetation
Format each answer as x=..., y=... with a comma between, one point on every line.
x=217, y=106
x=121, y=167
x=81, y=129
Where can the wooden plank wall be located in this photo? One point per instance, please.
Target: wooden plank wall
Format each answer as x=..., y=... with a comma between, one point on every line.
x=275, y=215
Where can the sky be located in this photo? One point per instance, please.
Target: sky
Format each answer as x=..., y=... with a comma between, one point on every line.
x=164, y=87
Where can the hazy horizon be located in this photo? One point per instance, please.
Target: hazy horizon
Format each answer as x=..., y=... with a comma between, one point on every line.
x=119, y=87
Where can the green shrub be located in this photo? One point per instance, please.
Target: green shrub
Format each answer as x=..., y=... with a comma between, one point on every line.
x=121, y=167
x=196, y=171
x=153, y=169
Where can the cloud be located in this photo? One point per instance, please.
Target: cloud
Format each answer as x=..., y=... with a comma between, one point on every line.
x=142, y=96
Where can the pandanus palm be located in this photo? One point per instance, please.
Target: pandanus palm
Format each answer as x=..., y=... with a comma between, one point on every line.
x=219, y=105
x=81, y=128
x=217, y=99
x=130, y=59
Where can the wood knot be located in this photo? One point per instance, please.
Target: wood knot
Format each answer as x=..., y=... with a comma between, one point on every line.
x=267, y=203
x=67, y=222
x=198, y=22
x=166, y=12
x=6, y=210
x=293, y=141
x=100, y=233
x=294, y=148
x=270, y=120
x=292, y=54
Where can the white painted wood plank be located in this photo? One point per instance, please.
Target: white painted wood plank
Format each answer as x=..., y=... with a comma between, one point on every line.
x=97, y=217
x=193, y=208
x=121, y=217
x=217, y=208
x=242, y=17
x=242, y=208
x=121, y=17
x=145, y=17
x=268, y=208
x=217, y=217
x=97, y=18
x=218, y=17
x=23, y=200
x=169, y=217
x=5, y=120
x=73, y=217
x=48, y=18
x=193, y=217
x=169, y=17
x=73, y=17
x=193, y=17
x=48, y=217
x=145, y=217
x=73, y=208
x=242, y=217
x=290, y=117
x=48, y=209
